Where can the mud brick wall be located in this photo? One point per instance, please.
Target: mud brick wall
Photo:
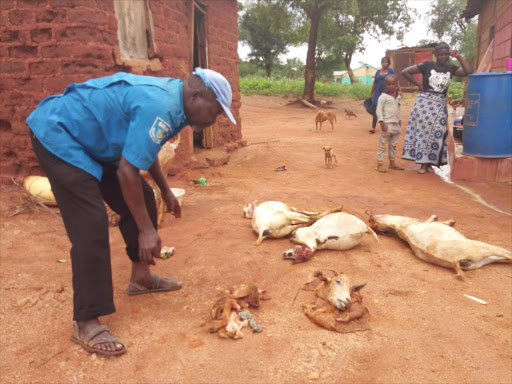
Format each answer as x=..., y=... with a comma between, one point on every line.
x=47, y=44
x=502, y=37
x=222, y=54
x=495, y=15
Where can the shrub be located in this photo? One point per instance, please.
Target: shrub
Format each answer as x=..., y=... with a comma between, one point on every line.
x=455, y=91
x=253, y=85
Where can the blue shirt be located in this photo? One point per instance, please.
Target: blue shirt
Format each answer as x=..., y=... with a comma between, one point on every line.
x=379, y=84
x=93, y=124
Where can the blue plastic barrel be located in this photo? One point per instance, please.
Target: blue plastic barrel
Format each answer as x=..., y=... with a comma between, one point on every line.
x=488, y=116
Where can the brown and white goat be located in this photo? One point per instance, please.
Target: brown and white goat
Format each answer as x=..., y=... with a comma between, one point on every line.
x=438, y=243
x=274, y=219
x=337, y=304
x=336, y=288
x=339, y=231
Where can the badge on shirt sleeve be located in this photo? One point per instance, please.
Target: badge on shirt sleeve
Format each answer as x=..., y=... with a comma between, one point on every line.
x=159, y=131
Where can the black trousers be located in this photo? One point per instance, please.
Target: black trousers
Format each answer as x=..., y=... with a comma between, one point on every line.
x=374, y=114
x=80, y=199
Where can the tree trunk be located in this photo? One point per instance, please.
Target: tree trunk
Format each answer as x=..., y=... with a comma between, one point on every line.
x=268, y=69
x=348, y=59
x=310, y=73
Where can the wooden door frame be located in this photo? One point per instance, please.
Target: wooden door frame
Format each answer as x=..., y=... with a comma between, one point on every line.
x=197, y=6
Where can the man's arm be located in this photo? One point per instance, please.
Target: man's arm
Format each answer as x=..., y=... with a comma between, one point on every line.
x=170, y=200
x=150, y=244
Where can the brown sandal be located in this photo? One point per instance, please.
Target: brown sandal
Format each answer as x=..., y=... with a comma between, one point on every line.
x=93, y=339
x=139, y=289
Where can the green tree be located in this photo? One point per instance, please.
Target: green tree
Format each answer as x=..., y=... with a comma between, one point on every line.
x=446, y=24
x=292, y=69
x=248, y=68
x=329, y=51
x=378, y=18
x=311, y=11
x=267, y=30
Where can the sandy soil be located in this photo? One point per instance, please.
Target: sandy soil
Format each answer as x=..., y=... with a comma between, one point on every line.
x=423, y=329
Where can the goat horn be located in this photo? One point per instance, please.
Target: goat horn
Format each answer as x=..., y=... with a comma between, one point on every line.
x=357, y=287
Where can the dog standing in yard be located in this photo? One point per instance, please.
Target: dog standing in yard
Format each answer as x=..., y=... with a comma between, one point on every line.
x=349, y=113
x=321, y=116
x=329, y=155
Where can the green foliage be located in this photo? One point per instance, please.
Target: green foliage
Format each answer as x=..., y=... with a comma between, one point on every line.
x=468, y=42
x=249, y=68
x=456, y=91
x=354, y=18
x=267, y=30
x=310, y=12
x=293, y=69
x=329, y=51
x=253, y=85
x=445, y=22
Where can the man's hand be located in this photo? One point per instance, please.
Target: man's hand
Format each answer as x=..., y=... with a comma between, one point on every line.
x=150, y=246
x=172, y=203
x=383, y=126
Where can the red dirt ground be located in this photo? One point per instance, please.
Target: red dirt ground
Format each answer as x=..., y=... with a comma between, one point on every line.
x=423, y=328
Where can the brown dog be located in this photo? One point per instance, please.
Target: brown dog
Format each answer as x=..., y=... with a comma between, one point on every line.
x=329, y=155
x=321, y=116
x=349, y=113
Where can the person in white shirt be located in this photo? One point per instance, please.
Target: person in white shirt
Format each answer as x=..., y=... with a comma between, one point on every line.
x=388, y=115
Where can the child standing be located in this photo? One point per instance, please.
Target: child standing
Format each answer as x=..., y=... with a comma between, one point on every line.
x=388, y=115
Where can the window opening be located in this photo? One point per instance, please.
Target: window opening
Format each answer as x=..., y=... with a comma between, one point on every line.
x=135, y=30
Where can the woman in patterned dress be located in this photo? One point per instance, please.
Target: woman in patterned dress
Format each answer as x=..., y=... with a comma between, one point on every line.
x=425, y=137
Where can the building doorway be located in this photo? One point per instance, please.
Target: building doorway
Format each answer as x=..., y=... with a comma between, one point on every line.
x=200, y=52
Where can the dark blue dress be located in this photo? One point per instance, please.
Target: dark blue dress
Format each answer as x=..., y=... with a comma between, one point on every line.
x=379, y=84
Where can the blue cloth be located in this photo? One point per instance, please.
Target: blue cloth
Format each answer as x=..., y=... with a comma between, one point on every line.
x=95, y=123
x=425, y=137
x=379, y=84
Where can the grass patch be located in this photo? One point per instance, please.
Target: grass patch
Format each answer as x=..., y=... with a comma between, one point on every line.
x=455, y=91
x=251, y=85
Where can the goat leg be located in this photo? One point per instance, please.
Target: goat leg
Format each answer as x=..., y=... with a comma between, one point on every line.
x=431, y=219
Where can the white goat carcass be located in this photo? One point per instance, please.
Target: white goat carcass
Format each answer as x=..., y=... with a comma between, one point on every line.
x=439, y=243
x=274, y=219
x=339, y=231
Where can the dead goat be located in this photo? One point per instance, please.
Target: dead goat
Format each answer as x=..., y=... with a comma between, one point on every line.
x=337, y=305
x=339, y=231
x=274, y=219
x=438, y=243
